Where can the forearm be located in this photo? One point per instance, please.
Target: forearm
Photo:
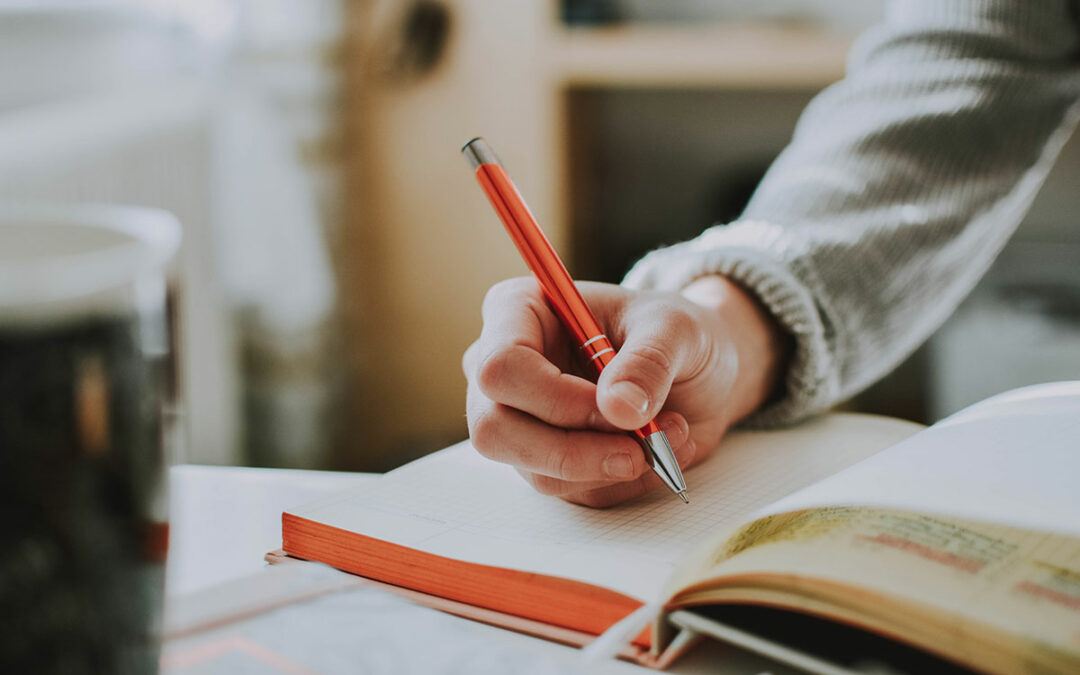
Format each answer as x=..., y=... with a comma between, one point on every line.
x=900, y=186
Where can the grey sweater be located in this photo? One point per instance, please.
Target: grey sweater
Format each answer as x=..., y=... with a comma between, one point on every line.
x=901, y=184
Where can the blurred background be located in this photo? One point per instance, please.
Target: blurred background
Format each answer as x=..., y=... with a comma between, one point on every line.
x=337, y=248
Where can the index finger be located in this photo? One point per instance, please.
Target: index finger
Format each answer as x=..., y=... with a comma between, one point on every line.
x=507, y=320
x=515, y=312
x=512, y=362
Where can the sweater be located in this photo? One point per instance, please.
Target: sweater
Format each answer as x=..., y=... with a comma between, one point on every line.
x=901, y=184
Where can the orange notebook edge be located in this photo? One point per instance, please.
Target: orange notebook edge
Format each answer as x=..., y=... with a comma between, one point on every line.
x=549, y=599
x=518, y=624
x=305, y=539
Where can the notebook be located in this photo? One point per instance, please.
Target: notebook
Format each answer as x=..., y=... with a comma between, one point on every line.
x=961, y=540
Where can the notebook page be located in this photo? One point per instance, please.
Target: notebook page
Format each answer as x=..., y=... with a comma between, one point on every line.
x=460, y=505
x=1013, y=459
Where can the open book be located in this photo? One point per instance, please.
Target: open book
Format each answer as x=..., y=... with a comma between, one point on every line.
x=961, y=540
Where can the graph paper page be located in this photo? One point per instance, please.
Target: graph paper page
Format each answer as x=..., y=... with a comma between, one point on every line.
x=460, y=505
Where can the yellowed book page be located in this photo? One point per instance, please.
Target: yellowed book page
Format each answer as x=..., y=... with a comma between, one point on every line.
x=879, y=564
x=460, y=505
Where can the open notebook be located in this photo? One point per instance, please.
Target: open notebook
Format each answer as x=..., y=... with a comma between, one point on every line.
x=469, y=531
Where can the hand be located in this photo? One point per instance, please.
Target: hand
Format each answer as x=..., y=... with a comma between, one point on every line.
x=697, y=361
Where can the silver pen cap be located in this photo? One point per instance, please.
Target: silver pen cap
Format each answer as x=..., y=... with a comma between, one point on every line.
x=478, y=152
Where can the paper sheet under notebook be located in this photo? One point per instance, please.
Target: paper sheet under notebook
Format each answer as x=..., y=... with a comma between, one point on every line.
x=460, y=505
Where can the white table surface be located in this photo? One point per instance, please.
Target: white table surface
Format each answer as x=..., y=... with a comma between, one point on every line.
x=224, y=519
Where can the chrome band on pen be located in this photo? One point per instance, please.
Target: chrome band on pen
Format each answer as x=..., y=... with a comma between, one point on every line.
x=591, y=340
x=597, y=346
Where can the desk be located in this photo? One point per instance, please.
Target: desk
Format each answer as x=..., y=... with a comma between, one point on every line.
x=223, y=519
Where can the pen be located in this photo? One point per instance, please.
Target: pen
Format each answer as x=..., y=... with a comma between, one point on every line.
x=563, y=295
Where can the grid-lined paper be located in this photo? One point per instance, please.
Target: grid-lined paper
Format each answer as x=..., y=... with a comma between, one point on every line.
x=459, y=505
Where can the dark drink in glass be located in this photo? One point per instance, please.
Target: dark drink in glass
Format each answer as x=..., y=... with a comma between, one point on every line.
x=83, y=360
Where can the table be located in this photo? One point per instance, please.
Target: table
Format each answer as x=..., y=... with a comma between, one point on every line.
x=224, y=519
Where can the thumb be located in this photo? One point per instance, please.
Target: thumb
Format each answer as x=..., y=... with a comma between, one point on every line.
x=634, y=385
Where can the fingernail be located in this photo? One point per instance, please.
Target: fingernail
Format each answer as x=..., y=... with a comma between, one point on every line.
x=684, y=454
x=593, y=420
x=670, y=428
x=619, y=465
x=632, y=395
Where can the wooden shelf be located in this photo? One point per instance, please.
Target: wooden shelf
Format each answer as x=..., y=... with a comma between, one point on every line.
x=750, y=56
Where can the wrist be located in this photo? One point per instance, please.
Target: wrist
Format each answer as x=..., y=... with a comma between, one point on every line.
x=761, y=346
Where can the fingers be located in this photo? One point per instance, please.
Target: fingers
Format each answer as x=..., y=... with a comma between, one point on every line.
x=604, y=495
x=522, y=378
x=616, y=493
x=512, y=364
x=565, y=434
x=514, y=312
x=510, y=436
x=556, y=487
x=560, y=461
x=656, y=349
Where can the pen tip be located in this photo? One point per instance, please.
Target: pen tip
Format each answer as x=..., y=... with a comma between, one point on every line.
x=684, y=498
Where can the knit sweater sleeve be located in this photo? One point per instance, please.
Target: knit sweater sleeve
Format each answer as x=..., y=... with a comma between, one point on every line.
x=901, y=184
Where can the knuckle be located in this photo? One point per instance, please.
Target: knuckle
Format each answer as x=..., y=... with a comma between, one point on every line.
x=493, y=371
x=505, y=290
x=594, y=499
x=564, y=463
x=484, y=432
x=545, y=485
x=680, y=323
x=468, y=358
x=652, y=361
x=553, y=409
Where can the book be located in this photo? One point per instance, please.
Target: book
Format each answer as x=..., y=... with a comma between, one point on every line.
x=961, y=540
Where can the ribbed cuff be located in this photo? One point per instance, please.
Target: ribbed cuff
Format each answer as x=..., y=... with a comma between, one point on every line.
x=763, y=259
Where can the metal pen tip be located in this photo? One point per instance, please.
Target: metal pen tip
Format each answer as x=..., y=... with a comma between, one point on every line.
x=664, y=463
x=684, y=498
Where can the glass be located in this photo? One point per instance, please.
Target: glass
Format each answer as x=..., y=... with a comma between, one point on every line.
x=83, y=366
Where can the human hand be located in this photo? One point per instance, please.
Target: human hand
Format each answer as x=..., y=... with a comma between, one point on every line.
x=697, y=361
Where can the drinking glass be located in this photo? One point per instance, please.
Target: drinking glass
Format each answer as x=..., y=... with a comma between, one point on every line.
x=84, y=364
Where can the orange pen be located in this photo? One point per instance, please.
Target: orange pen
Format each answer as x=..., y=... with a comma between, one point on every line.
x=563, y=295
